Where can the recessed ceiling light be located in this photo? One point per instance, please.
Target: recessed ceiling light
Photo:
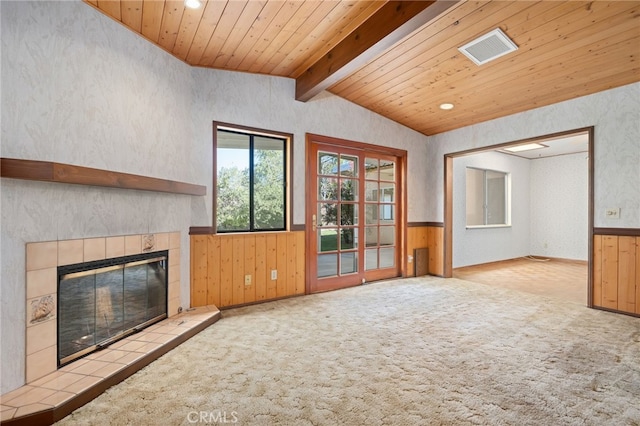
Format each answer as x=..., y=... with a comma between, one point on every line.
x=446, y=106
x=192, y=4
x=525, y=147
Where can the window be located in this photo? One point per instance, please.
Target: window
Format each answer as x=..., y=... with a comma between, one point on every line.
x=250, y=180
x=487, y=198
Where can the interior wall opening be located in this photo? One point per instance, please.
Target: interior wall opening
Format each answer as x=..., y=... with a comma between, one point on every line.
x=545, y=246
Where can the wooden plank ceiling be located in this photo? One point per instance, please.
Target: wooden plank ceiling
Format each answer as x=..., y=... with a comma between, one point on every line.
x=400, y=59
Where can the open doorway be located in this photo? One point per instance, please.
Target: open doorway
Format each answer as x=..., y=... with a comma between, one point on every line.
x=534, y=232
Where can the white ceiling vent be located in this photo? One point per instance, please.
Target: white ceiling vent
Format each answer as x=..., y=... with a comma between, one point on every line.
x=488, y=47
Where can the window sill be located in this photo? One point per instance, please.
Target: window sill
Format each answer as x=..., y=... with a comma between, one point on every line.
x=208, y=230
x=488, y=226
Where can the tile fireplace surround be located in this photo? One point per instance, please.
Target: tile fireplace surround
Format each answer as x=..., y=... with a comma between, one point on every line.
x=51, y=393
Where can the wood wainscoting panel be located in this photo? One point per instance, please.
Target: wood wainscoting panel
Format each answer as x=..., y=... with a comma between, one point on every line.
x=198, y=270
x=597, y=270
x=226, y=271
x=435, y=244
x=238, y=262
x=261, y=267
x=616, y=272
x=281, y=256
x=235, y=269
x=213, y=272
x=416, y=239
x=610, y=271
x=638, y=275
x=430, y=237
x=627, y=274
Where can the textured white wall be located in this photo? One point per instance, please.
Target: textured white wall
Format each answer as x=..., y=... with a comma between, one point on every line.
x=233, y=98
x=559, y=206
x=482, y=245
x=79, y=88
x=615, y=114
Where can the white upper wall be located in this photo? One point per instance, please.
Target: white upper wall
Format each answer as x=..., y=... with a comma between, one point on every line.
x=78, y=88
x=481, y=245
x=615, y=114
x=560, y=206
x=232, y=97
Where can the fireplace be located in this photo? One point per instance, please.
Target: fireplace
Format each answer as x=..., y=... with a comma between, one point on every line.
x=104, y=301
x=42, y=286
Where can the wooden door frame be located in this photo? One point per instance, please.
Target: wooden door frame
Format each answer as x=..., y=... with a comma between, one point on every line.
x=448, y=198
x=401, y=154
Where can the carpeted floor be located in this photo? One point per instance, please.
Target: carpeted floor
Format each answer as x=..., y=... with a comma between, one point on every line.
x=419, y=351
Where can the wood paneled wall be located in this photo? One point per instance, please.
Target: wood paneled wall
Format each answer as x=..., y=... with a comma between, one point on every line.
x=431, y=237
x=220, y=264
x=616, y=272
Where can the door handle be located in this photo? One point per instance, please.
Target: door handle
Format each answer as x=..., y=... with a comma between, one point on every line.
x=314, y=222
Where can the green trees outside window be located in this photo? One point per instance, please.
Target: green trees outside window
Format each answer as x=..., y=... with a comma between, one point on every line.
x=251, y=182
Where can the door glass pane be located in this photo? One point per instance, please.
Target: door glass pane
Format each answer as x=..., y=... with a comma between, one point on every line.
x=371, y=168
x=371, y=236
x=348, y=263
x=387, y=213
x=327, y=188
x=371, y=214
x=387, y=257
x=348, y=214
x=387, y=235
x=327, y=265
x=371, y=259
x=327, y=239
x=348, y=238
x=348, y=165
x=349, y=190
x=387, y=192
x=327, y=214
x=371, y=191
x=387, y=170
x=327, y=163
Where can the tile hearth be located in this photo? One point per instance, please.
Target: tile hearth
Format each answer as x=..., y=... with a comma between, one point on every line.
x=52, y=397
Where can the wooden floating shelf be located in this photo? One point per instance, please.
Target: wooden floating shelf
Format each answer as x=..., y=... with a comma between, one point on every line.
x=48, y=171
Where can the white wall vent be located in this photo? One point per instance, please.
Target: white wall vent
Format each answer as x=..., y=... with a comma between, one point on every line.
x=488, y=47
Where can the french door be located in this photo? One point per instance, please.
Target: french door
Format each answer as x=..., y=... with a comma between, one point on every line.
x=353, y=216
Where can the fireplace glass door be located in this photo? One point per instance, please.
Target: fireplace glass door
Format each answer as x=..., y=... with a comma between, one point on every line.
x=107, y=302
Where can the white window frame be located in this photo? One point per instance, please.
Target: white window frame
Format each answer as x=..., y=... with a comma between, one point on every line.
x=485, y=200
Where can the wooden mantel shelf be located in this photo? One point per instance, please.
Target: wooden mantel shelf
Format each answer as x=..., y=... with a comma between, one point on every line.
x=48, y=171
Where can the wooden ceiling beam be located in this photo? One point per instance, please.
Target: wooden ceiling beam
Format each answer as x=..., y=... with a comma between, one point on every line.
x=389, y=25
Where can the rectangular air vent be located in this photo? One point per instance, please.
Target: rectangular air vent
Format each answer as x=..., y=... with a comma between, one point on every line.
x=488, y=47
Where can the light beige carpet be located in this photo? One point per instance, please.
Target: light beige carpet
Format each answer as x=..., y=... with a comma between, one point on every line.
x=419, y=351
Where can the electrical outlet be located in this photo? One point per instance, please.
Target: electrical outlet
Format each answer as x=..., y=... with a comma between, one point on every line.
x=410, y=259
x=274, y=274
x=612, y=213
x=247, y=280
